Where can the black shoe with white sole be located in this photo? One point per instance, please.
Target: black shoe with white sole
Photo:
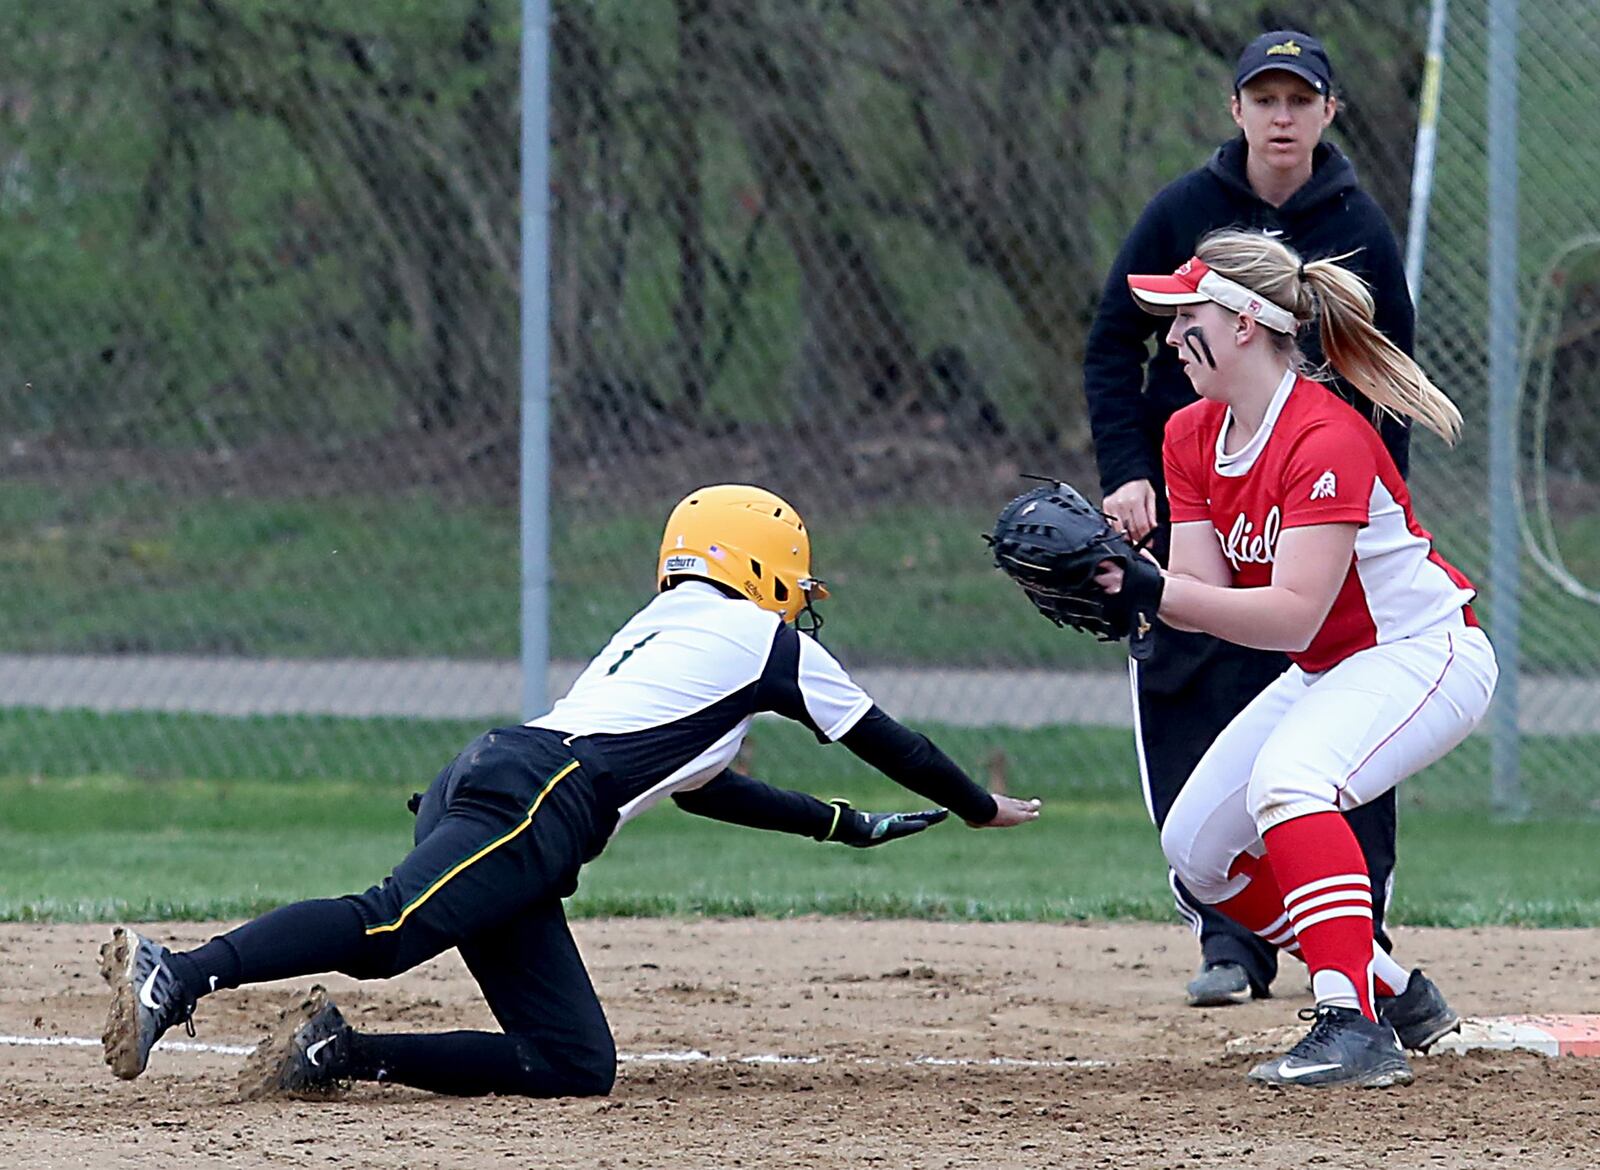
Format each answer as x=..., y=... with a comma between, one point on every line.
x=1419, y=1015
x=307, y=1054
x=1342, y=1048
x=146, y=1000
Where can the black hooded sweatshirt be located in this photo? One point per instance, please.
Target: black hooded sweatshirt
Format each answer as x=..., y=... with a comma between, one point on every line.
x=1330, y=215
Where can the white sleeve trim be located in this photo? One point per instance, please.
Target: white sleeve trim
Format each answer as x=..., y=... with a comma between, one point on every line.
x=841, y=728
x=833, y=700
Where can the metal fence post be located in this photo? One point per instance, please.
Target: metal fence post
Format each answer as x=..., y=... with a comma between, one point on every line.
x=1505, y=561
x=1427, y=147
x=535, y=292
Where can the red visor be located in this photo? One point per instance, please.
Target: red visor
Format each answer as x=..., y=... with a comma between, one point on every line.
x=1194, y=283
x=1181, y=288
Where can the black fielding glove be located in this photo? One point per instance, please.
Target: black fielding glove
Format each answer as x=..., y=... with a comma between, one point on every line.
x=862, y=830
x=1051, y=540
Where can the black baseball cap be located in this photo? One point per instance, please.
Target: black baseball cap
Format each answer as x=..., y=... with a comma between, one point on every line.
x=1293, y=52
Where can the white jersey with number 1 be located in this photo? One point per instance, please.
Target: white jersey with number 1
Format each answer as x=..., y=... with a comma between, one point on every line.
x=671, y=697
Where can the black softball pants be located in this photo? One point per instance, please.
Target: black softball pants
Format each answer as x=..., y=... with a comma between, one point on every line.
x=1190, y=689
x=500, y=837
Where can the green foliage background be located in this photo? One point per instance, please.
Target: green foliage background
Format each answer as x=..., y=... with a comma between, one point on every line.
x=259, y=274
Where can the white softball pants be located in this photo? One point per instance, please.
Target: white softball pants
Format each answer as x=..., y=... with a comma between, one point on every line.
x=1312, y=743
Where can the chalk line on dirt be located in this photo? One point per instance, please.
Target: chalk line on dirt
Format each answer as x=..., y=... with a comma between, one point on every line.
x=688, y=1056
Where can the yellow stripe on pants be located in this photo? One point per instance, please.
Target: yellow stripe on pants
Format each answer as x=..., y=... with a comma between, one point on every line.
x=484, y=852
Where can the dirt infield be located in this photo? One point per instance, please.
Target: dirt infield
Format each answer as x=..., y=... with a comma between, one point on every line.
x=879, y=1004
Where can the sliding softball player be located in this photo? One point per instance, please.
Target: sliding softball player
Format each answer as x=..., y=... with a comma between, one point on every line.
x=503, y=830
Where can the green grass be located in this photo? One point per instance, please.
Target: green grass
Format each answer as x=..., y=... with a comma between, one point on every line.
x=133, y=569
x=99, y=820
x=98, y=570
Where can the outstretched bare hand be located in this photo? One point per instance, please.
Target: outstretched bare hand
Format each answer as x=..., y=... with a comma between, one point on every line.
x=1010, y=811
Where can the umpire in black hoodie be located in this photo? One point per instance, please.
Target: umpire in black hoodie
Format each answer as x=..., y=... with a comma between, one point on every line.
x=1278, y=176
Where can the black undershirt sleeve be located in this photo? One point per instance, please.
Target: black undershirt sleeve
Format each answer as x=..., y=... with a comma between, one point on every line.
x=912, y=760
x=739, y=800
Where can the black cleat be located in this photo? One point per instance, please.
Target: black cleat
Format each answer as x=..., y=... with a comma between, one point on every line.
x=146, y=1000
x=307, y=1054
x=1342, y=1048
x=1219, y=985
x=1419, y=1015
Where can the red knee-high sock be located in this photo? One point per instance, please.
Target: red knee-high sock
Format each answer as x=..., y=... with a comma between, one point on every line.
x=1259, y=906
x=1328, y=897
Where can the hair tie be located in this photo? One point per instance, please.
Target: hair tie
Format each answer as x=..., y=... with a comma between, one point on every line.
x=1302, y=272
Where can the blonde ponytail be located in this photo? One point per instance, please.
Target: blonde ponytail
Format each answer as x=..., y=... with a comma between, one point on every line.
x=1336, y=298
x=1361, y=355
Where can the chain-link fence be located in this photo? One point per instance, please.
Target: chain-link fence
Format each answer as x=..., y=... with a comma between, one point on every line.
x=260, y=382
x=1556, y=376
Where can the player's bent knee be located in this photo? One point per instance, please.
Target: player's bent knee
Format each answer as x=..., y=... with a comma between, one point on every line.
x=594, y=1079
x=1282, y=791
x=1202, y=862
x=1175, y=845
x=1208, y=884
x=596, y=1069
x=589, y=1071
x=380, y=958
x=391, y=943
x=1179, y=848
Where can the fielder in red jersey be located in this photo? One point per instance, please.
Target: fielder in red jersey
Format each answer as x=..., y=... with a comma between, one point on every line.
x=1314, y=461
x=1293, y=531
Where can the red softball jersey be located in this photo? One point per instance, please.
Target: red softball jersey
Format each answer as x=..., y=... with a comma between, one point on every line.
x=1315, y=460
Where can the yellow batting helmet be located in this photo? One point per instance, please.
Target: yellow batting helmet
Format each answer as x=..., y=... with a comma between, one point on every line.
x=746, y=538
